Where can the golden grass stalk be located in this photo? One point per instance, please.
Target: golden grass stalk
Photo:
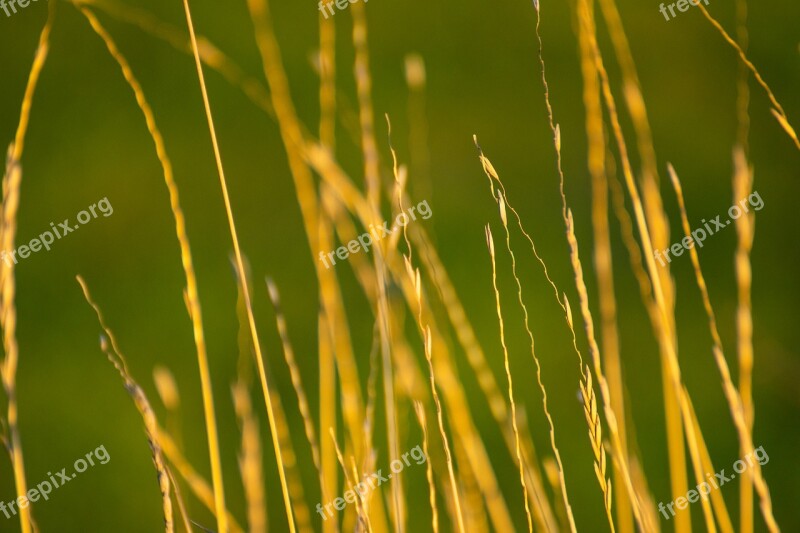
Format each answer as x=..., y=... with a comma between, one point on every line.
x=717, y=501
x=372, y=401
x=367, y=119
x=192, y=294
x=250, y=464
x=420, y=411
x=731, y=393
x=589, y=45
x=659, y=233
x=250, y=459
x=369, y=149
x=219, y=501
x=463, y=425
x=297, y=380
x=745, y=225
x=110, y=348
x=475, y=518
x=327, y=86
x=414, y=276
x=363, y=518
x=745, y=232
x=415, y=388
x=591, y=415
x=197, y=484
x=168, y=392
x=677, y=416
x=596, y=157
x=293, y=139
x=697, y=464
x=212, y=56
x=777, y=109
x=327, y=410
x=490, y=244
x=399, y=514
x=560, y=466
x=187, y=523
x=327, y=364
x=293, y=478
x=596, y=438
x=12, y=178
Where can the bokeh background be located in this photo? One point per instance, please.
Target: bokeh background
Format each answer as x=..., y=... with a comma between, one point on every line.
x=87, y=141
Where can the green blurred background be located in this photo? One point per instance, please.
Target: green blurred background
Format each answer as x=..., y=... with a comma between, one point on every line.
x=87, y=140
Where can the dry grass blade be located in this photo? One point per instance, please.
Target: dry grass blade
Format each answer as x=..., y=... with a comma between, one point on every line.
x=297, y=381
x=697, y=464
x=196, y=483
x=192, y=294
x=212, y=56
x=576, y=265
x=662, y=312
x=327, y=87
x=219, y=501
x=594, y=422
x=168, y=392
x=363, y=517
x=12, y=179
x=369, y=149
x=596, y=438
x=302, y=514
x=319, y=238
x=551, y=426
x=490, y=244
x=109, y=346
x=597, y=164
x=731, y=393
x=745, y=232
x=367, y=119
x=420, y=410
x=250, y=464
x=777, y=110
x=717, y=501
x=427, y=342
x=327, y=364
x=327, y=410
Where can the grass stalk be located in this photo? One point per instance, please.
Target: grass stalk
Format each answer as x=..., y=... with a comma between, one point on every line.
x=12, y=180
x=110, y=348
x=777, y=109
x=490, y=244
x=217, y=469
x=731, y=393
x=192, y=293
